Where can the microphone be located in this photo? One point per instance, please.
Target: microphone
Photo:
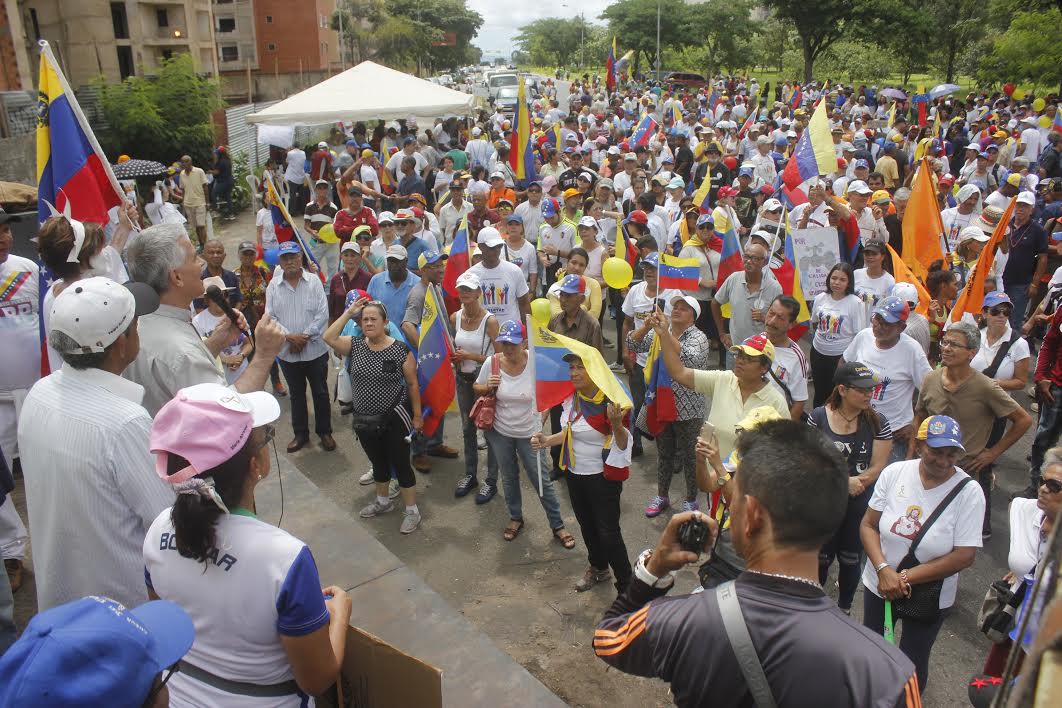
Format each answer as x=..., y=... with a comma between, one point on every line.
x=215, y=295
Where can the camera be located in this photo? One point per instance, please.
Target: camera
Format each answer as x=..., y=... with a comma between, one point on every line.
x=692, y=534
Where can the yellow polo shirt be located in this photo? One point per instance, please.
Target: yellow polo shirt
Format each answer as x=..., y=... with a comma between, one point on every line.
x=726, y=409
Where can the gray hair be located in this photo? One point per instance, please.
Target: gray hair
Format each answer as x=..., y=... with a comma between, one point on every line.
x=1052, y=457
x=902, y=193
x=65, y=346
x=153, y=253
x=970, y=333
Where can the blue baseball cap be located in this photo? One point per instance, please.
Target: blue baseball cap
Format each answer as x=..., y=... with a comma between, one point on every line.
x=94, y=652
x=941, y=431
x=430, y=257
x=511, y=331
x=514, y=219
x=550, y=207
x=996, y=297
x=745, y=172
x=861, y=163
x=353, y=143
x=289, y=247
x=705, y=219
x=892, y=309
x=573, y=285
x=652, y=260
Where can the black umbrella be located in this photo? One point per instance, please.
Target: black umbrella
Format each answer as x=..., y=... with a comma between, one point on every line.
x=131, y=169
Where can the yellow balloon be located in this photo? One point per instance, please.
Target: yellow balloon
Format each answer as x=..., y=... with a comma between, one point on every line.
x=1045, y=122
x=1018, y=94
x=617, y=273
x=327, y=234
x=1038, y=104
x=540, y=311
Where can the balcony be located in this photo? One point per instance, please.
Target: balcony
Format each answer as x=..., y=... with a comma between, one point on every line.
x=168, y=35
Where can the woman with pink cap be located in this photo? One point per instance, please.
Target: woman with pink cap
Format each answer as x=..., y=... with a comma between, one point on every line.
x=267, y=633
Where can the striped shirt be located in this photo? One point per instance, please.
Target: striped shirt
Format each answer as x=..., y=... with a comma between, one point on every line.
x=299, y=310
x=92, y=498
x=172, y=356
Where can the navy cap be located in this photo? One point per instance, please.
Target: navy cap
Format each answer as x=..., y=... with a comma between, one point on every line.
x=289, y=247
x=941, y=431
x=514, y=219
x=511, y=331
x=892, y=309
x=652, y=260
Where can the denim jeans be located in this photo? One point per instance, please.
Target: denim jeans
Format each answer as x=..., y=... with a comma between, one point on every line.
x=1047, y=430
x=1018, y=296
x=421, y=444
x=466, y=397
x=846, y=547
x=506, y=450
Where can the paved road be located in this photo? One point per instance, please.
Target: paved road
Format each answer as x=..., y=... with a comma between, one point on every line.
x=520, y=593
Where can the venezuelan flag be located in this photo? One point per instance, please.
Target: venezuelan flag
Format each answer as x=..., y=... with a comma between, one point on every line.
x=458, y=262
x=731, y=260
x=595, y=412
x=678, y=273
x=553, y=384
x=922, y=225
x=70, y=163
x=435, y=375
x=704, y=191
x=788, y=275
x=921, y=101
x=972, y=296
x=747, y=124
x=644, y=130
x=610, y=68
x=1056, y=124
x=522, y=149
x=630, y=251
x=284, y=226
x=798, y=98
x=659, y=396
x=814, y=153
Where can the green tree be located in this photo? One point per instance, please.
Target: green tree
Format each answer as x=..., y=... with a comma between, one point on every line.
x=161, y=117
x=438, y=18
x=723, y=28
x=551, y=41
x=819, y=23
x=1028, y=51
x=958, y=25
x=634, y=23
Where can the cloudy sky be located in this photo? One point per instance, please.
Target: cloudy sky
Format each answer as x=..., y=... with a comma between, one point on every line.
x=501, y=20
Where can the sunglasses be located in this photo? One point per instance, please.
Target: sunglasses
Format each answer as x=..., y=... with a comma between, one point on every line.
x=1054, y=486
x=402, y=222
x=1001, y=310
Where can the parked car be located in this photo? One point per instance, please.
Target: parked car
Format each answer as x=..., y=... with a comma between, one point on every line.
x=679, y=78
x=506, y=99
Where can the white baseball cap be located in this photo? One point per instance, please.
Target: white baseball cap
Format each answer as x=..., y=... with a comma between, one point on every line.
x=385, y=217
x=469, y=280
x=859, y=187
x=1027, y=198
x=397, y=252
x=96, y=311
x=489, y=237
x=350, y=246
x=906, y=291
x=689, y=300
x=973, y=233
x=476, y=132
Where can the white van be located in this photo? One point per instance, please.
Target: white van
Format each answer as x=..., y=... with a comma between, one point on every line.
x=496, y=81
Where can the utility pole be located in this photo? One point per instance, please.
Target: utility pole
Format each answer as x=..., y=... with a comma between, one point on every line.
x=582, y=41
x=342, y=48
x=658, y=3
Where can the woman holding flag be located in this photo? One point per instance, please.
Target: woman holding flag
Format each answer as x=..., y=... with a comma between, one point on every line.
x=706, y=247
x=596, y=452
x=507, y=375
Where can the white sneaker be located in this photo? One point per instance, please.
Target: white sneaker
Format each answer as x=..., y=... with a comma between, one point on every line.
x=375, y=509
x=410, y=522
x=393, y=490
x=617, y=367
x=366, y=479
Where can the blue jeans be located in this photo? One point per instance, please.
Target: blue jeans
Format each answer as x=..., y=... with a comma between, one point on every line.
x=421, y=444
x=1047, y=430
x=506, y=450
x=466, y=397
x=898, y=452
x=1018, y=296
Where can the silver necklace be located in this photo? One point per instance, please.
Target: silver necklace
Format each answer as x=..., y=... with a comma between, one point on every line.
x=786, y=577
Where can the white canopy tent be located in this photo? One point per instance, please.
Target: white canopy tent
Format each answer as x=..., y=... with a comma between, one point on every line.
x=366, y=92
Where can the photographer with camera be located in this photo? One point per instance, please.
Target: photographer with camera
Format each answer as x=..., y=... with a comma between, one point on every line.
x=757, y=640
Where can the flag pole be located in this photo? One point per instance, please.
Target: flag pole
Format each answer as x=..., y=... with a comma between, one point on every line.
x=531, y=363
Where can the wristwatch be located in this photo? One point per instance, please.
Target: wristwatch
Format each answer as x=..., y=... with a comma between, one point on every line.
x=643, y=574
x=723, y=479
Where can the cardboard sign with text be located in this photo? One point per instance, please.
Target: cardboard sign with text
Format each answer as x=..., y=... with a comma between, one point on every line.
x=816, y=251
x=377, y=675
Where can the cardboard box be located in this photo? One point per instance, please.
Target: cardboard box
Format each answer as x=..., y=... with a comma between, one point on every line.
x=377, y=675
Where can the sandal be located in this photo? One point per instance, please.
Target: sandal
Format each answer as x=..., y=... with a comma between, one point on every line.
x=566, y=539
x=512, y=531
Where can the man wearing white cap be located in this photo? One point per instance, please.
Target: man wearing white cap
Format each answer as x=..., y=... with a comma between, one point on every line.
x=1026, y=258
x=505, y=291
x=92, y=498
x=762, y=162
x=871, y=219
x=478, y=149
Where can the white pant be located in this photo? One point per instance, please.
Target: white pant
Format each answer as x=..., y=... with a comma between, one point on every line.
x=13, y=535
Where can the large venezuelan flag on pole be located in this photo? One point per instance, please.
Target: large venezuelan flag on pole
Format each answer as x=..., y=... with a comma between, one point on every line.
x=788, y=276
x=731, y=260
x=458, y=262
x=521, y=147
x=644, y=130
x=678, y=273
x=70, y=163
x=659, y=396
x=610, y=68
x=972, y=297
x=553, y=384
x=435, y=375
x=1056, y=124
x=285, y=229
x=814, y=153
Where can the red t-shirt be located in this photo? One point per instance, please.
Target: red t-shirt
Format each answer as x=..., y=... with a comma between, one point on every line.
x=319, y=171
x=345, y=223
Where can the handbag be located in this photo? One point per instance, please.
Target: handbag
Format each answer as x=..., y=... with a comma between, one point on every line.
x=999, y=611
x=372, y=425
x=923, y=604
x=482, y=413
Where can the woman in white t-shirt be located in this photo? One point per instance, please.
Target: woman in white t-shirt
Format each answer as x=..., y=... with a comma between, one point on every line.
x=521, y=252
x=837, y=315
x=905, y=497
x=233, y=358
x=596, y=453
x=266, y=632
x=508, y=376
x=873, y=282
x=596, y=252
x=266, y=235
x=1013, y=370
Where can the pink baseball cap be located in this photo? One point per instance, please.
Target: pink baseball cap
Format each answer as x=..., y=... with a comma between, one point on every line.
x=207, y=424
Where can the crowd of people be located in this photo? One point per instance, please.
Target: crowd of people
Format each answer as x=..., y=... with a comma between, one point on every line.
x=907, y=404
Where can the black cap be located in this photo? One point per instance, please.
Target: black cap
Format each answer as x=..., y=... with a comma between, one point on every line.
x=854, y=374
x=877, y=246
x=5, y=217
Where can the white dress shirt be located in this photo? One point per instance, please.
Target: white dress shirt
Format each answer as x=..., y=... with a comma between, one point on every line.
x=91, y=498
x=302, y=310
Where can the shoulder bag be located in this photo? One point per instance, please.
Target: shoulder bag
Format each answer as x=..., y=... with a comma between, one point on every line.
x=999, y=611
x=737, y=632
x=482, y=413
x=923, y=604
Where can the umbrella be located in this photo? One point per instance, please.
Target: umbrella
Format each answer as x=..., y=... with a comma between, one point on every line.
x=942, y=90
x=894, y=93
x=138, y=168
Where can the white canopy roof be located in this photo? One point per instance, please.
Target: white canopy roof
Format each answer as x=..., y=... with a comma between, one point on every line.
x=366, y=92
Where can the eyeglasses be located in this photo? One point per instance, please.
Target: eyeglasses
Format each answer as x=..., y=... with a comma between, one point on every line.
x=1054, y=486
x=365, y=238
x=951, y=344
x=754, y=258
x=1001, y=310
